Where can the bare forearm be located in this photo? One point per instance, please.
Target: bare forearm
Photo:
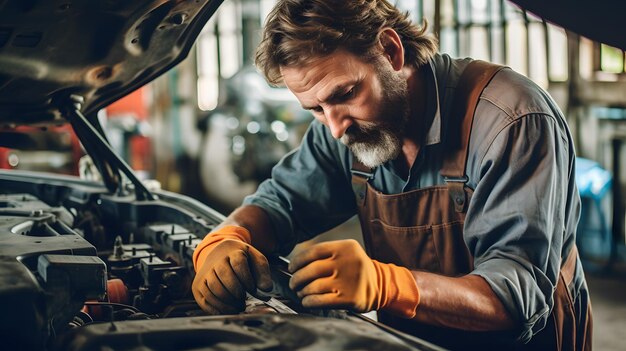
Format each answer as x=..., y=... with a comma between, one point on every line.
x=466, y=303
x=258, y=224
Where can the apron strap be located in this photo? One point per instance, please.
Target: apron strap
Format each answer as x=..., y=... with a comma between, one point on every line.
x=570, y=333
x=470, y=86
x=361, y=174
x=569, y=267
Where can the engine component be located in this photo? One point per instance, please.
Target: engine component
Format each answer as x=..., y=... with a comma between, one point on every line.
x=117, y=291
x=23, y=304
x=47, y=270
x=70, y=281
x=242, y=332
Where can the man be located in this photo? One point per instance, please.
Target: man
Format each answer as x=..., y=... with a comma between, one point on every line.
x=462, y=175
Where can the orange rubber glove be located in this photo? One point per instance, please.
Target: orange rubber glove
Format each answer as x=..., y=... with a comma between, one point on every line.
x=339, y=274
x=226, y=267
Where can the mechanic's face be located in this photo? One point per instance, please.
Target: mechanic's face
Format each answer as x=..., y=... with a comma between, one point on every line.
x=364, y=104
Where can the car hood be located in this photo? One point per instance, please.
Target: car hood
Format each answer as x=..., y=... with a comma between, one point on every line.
x=600, y=20
x=100, y=50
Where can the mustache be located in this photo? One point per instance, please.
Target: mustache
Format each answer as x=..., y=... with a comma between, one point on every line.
x=361, y=133
x=370, y=132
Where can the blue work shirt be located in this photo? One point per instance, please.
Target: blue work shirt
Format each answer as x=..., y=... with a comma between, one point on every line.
x=522, y=217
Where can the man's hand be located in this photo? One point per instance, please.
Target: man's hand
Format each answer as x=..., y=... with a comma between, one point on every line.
x=229, y=269
x=339, y=274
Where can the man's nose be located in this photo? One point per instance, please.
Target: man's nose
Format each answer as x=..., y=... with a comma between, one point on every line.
x=338, y=121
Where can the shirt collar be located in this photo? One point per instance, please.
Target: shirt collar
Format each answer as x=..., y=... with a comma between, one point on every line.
x=434, y=132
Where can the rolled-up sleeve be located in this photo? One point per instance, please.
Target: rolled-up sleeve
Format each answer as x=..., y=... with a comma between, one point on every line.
x=308, y=193
x=516, y=220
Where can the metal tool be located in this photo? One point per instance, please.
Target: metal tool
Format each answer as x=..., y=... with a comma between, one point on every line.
x=272, y=302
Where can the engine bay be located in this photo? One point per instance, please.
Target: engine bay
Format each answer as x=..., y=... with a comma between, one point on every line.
x=83, y=269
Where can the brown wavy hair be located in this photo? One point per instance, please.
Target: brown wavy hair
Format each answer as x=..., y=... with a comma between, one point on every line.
x=297, y=31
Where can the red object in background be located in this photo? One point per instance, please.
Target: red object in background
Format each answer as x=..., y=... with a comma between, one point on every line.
x=4, y=158
x=134, y=103
x=59, y=139
x=62, y=139
x=139, y=146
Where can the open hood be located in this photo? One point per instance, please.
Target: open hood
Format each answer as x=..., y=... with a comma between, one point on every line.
x=599, y=20
x=100, y=50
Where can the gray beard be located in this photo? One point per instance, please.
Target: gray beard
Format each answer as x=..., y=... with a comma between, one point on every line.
x=378, y=142
x=384, y=146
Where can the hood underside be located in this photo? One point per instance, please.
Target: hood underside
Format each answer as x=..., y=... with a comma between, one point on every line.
x=98, y=49
x=599, y=20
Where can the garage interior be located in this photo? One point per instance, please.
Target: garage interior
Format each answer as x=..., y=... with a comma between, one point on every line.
x=212, y=129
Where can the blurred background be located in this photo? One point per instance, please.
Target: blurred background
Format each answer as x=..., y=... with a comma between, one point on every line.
x=212, y=128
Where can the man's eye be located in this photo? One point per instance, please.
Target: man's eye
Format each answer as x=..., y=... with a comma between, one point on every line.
x=349, y=94
x=317, y=109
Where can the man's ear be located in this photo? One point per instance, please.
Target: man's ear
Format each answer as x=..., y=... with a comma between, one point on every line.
x=392, y=47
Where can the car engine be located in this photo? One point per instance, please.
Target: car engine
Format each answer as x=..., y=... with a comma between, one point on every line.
x=83, y=269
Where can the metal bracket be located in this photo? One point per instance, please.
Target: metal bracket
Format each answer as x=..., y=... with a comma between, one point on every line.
x=108, y=162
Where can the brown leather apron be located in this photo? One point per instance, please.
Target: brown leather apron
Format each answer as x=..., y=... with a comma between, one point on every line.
x=423, y=230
